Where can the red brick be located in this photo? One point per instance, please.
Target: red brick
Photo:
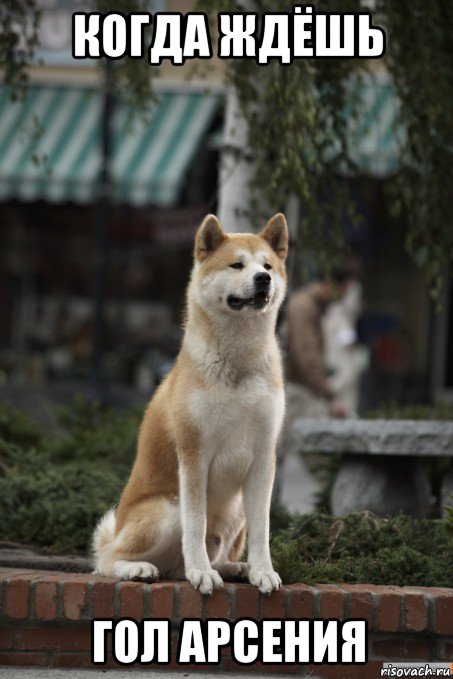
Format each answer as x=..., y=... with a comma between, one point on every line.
x=73, y=660
x=131, y=598
x=24, y=659
x=388, y=612
x=415, y=612
x=444, y=615
x=103, y=598
x=401, y=647
x=189, y=601
x=331, y=602
x=218, y=604
x=301, y=602
x=46, y=600
x=273, y=605
x=74, y=599
x=174, y=639
x=372, y=669
x=417, y=649
x=161, y=605
x=247, y=601
x=70, y=645
x=65, y=639
x=389, y=648
x=17, y=596
x=360, y=602
x=445, y=649
x=6, y=637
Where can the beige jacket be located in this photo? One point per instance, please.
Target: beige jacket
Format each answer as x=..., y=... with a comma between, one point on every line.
x=306, y=360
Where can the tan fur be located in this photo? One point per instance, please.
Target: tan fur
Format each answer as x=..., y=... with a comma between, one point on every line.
x=206, y=449
x=238, y=546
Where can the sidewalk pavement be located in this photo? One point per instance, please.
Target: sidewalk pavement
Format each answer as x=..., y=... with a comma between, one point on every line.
x=73, y=673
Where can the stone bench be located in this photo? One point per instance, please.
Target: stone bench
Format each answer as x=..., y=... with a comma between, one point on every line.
x=380, y=470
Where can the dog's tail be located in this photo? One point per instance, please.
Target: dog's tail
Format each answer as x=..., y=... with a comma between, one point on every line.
x=102, y=542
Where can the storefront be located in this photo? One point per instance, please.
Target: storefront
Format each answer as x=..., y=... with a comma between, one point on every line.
x=163, y=178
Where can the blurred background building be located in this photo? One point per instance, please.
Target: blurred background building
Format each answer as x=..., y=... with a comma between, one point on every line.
x=94, y=266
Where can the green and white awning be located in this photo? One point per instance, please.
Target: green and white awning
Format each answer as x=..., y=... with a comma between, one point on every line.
x=375, y=137
x=50, y=145
x=50, y=142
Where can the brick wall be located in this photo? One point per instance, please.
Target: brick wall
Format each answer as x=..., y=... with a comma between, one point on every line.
x=45, y=616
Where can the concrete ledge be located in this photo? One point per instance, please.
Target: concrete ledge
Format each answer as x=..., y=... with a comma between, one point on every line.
x=31, y=560
x=374, y=437
x=45, y=617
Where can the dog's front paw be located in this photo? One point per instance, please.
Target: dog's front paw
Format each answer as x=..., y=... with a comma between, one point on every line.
x=266, y=580
x=238, y=570
x=135, y=570
x=204, y=580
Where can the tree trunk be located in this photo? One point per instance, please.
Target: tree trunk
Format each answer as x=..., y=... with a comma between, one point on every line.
x=236, y=169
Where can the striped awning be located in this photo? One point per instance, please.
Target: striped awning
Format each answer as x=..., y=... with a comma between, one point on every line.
x=375, y=136
x=50, y=145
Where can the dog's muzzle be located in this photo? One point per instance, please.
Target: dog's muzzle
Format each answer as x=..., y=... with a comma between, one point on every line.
x=260, y=298
x=262, y=280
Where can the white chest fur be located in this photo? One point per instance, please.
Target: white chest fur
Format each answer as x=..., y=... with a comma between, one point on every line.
x=235, y=424
x=239, y=409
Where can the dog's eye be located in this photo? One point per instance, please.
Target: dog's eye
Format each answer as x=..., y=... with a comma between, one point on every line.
x=237, y=265
x=268, y=267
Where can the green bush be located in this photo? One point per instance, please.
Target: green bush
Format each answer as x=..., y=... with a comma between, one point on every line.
x=54, y=487
x=391, y=410
x=54, y=506
x=92, y=433
x=361, y=547
x=18, y=428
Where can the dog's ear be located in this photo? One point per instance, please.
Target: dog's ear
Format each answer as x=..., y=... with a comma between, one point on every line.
x=276, y=234
x=208, y=238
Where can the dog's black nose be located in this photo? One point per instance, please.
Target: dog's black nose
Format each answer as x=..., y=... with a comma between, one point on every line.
x=262, y=279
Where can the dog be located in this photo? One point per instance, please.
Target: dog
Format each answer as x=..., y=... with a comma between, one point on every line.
x=205, y=463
